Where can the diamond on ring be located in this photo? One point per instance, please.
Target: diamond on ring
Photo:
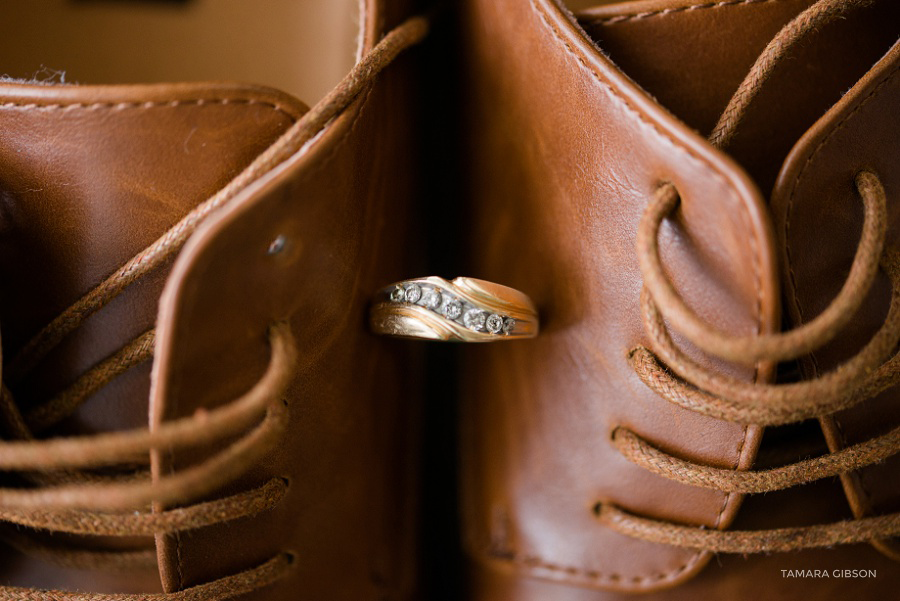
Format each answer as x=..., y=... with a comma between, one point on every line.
x=474, y=319
x=494, y=323
x=432, y=299
x=413, y=293
x=508, y=324
x=453, y=309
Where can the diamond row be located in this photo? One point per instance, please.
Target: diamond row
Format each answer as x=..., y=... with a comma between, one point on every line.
x=454, y=309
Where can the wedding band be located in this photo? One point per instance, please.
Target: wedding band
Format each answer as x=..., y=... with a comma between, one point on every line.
x=464, y=310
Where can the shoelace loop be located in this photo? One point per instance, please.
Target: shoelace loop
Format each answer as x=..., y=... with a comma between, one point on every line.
x=685, y=383
x=677, y=378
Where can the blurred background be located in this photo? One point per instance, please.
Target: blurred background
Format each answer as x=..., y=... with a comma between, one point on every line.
x=302, y=47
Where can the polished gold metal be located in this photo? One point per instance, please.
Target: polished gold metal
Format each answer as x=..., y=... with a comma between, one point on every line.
x=464, y=310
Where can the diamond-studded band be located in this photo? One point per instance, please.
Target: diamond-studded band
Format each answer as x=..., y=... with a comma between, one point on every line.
x=464, y=310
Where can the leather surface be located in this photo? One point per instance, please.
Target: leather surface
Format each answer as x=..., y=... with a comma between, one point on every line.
x=567, y=151
x=692, y=56
x=860, y=133
x=733, y=577
x=89, y=176
x=344, y=206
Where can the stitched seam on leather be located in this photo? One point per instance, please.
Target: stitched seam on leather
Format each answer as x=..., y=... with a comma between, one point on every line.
x=325, y=159
x=175, y=395
x=179, y=561
x=96, y=106
x=534, y=561
x=199, y=102
x=541, y=12
x=670, y=11
x=787, y=229
x=754, y=253
x=357, y=119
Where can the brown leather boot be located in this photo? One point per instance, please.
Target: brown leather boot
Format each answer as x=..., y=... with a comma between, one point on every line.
x=233, y=236
x=661, y=433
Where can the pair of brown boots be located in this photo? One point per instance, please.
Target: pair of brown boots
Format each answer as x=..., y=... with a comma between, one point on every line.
x=708, y=412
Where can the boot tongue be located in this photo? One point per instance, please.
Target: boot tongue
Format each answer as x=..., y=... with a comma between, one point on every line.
x=89, y=176
x=693, y=57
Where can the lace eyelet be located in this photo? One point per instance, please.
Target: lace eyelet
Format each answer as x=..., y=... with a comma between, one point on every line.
x=614, y=431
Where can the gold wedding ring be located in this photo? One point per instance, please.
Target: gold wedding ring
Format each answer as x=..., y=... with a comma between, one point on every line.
x=464, y=310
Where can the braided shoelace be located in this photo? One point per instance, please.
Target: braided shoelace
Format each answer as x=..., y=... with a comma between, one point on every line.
x=65, y=493
x=673, y=375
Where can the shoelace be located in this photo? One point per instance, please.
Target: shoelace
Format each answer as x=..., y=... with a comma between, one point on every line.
x=64, y=497
x=680, y=380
